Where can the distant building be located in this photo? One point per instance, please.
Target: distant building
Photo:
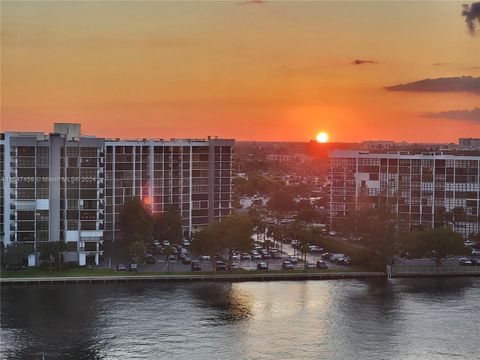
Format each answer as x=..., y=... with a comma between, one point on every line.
x=426, y=189
x=68, y=187
x=378, y=145
x=469, y=143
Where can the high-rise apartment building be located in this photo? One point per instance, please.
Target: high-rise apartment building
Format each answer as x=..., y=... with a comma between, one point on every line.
x=192, y=177
x=53, y=191
x=67, y=187
x=425, y=189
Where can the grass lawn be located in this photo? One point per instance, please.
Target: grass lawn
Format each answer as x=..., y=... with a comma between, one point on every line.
x=83, y=271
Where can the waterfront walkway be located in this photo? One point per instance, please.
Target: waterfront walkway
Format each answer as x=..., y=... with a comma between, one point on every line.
x=191, y=278
x=230, y=277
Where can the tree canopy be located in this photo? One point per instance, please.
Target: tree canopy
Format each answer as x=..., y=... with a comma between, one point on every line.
x=168, y=226
x=135, y=223
x=436, y=244
x=16, y=255
x=233, y=232
x=281, y=201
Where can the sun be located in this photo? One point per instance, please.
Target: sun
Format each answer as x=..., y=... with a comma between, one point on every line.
x=322, y=137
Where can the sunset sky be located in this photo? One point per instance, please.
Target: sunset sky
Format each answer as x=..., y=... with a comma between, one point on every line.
x=251, y=71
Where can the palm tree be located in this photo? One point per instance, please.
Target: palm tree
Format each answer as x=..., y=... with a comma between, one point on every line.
x=268, y=244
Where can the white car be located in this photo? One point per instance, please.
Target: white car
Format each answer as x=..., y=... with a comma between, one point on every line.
x=256, y=256
x=166, y=243
x=245, y=256
x=236, y=257
x=205, y=258
x=293, y=259
x=315, y=248
x=186, y=243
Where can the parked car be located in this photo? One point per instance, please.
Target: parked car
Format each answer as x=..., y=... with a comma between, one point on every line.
x=465, y=262
x=234, y=266
x=186, y=261
x=205, y=258
x=121, y=267
x=185, y=243
x=166, y=243
x=156, y=243
x=332, y=233
x=336, y=257
x=287, y=265
x=236, y=257
x=309, y=265
x=293, y=259
x=171, y=257
x=344, y=261
x=256, y=256
x=262, y=266
x=133, y=267
x=245, y=256
x=321, y=265
x=315, y=249
x=220, y=265
x=150, y=259
x=475, y=262
x=326, y=256
x=195, y=266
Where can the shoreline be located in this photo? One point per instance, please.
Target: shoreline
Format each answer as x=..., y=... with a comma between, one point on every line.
x=218, y=277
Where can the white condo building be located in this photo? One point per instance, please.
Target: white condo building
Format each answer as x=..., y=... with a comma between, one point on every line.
x=67, y=187
x=425, y=189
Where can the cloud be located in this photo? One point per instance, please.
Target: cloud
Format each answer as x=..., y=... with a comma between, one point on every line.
x=472, y=16
x=467, y=115
x=452, y=84
x=361, y=62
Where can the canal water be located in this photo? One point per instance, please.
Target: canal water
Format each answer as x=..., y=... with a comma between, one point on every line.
x=343, y=319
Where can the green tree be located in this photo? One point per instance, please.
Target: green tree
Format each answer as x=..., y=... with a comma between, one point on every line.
x=168, y=226
x=135, y=223
x=52, y=252
x=281, y=201
x=308, y=215
x=233, y=232
x=435, y=244
x=258, y=219
x=16, y=255
x=268, y=244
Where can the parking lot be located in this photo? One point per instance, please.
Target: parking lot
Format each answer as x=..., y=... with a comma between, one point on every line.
x=162, y=265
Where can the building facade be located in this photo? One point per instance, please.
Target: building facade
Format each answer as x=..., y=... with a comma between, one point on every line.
x=425, y=189
x=193, y=177
x=53, y=191
x=469, y=143
x=71, y=188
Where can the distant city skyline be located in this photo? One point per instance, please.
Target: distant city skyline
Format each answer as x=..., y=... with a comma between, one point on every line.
x=249, y=70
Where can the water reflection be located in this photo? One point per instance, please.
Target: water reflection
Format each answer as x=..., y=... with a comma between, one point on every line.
x=397, y=319
x=54, y=321
x=231, y=305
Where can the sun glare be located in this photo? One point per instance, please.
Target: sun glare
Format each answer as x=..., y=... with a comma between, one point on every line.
x=322, y=137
